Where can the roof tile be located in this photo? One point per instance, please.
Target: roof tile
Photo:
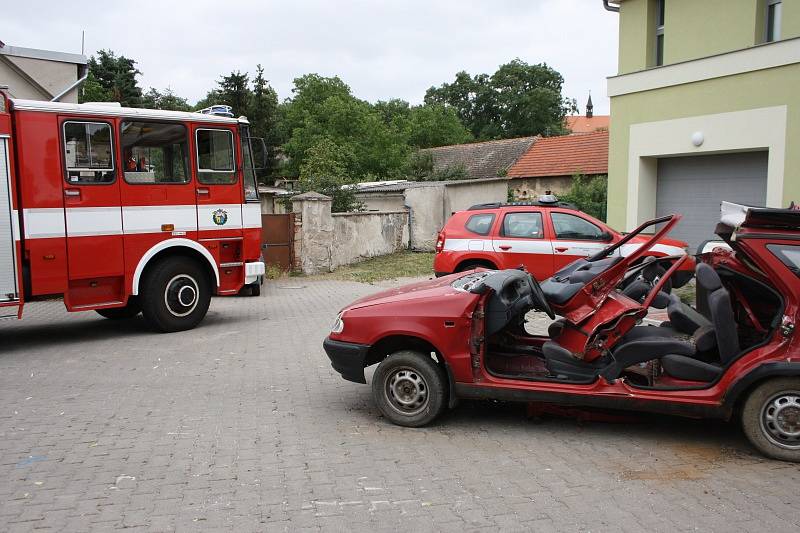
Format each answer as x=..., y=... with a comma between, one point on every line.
x=585, y=153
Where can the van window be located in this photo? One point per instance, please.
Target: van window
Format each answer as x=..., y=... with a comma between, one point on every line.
x=88, y=152
x=154, y=152
x=215, y=157
x=480, y=224
x=524, y=225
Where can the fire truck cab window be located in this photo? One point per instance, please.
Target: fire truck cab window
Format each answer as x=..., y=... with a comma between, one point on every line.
x=88, y=152
x=154, y=152
x=215, y=157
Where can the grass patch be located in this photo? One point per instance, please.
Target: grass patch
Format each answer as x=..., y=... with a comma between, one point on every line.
x=393, y=266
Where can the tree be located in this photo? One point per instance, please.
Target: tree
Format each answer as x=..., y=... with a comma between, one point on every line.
x=325, y=108
x=112, y=78
x=517, y=100
x=324, y=170
x=154, y=99
x=589, y=195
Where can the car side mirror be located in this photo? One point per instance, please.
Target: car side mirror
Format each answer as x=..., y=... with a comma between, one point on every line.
x=606, y=236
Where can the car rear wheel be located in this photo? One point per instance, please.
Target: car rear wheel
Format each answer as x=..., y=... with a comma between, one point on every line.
x=410, y=389
x=771, y=418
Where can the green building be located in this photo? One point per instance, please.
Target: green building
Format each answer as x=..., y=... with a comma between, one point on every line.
x=705, y=108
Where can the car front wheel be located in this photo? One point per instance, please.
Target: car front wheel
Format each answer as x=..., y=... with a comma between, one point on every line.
x=409, y=388
x=771, y=418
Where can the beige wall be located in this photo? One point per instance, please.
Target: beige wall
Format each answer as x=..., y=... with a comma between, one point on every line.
x=52, y=76
x=695, y=28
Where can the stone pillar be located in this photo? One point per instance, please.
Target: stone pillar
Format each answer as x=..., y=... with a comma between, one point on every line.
x=316, y=235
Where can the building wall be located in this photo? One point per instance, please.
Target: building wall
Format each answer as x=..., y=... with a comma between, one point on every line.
x=753, y=110
x=53, y=76
x=694, y=29
x=530, y=188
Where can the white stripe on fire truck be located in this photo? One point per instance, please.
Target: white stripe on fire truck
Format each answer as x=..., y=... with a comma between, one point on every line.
x=15, y=224
x=150, y=218
x=205, y=216
x=251, y=215
x=94, y=221
x=42, y=223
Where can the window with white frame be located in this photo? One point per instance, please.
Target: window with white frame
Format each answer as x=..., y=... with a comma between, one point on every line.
x=659, y=33
x=772, y=32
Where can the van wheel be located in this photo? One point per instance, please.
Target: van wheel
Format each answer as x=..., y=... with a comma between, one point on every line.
x=132, y=309
x=176, y=294
x=410, y=388
x=771, y=418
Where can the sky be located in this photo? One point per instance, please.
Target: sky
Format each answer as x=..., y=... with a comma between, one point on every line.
x=382, y=49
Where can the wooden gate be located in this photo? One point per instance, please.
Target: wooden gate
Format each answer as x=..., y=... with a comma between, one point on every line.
x=277, y=237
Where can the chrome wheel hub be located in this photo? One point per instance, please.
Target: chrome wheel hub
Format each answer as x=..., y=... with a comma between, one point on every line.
x=407, y=391
x=780, y=419
x=181, y=295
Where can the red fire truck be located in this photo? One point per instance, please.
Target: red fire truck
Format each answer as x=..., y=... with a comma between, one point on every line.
x=122, y=210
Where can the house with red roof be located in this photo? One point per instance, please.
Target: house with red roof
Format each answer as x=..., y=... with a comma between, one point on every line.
x=551, y=162
x=588, y=123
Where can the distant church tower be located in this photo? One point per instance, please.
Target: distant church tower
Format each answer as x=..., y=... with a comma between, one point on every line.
x=589, y=107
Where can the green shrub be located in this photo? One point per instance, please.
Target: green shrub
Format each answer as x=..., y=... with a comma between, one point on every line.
x=589, y=195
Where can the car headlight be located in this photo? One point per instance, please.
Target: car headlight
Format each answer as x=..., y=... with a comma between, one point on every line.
x=338, y=324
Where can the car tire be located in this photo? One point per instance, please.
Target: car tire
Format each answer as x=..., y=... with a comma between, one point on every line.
x=771, y=418
x=410, y=388
x=130, y=310
x=176, y=294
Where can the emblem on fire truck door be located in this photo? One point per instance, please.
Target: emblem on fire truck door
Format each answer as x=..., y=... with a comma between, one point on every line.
x=220, y=217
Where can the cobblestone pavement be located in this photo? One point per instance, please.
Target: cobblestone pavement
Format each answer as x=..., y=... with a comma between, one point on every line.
x=242, y=425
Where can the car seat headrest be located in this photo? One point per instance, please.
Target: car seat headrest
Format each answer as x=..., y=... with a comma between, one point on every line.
x=707, y=278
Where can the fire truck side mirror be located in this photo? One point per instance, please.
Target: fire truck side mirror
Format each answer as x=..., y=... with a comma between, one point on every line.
x=260, y=153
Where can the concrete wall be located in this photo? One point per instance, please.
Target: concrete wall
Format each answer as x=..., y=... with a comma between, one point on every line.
x=431, y=204
x=427, y=210
x=357, y=236
x=326, y=241
x=388, y=201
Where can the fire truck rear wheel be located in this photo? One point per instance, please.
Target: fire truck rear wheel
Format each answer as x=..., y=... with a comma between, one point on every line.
x=176, y=294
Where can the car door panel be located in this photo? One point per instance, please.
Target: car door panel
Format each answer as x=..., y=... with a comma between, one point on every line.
x=520, y=241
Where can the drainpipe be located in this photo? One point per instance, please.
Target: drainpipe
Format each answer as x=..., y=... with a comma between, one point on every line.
x=610, y=7
x=78, y=83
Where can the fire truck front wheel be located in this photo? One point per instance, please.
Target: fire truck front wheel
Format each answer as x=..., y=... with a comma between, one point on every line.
x=176, y=294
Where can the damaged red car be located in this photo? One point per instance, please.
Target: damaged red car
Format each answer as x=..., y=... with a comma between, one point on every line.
x=734, y=354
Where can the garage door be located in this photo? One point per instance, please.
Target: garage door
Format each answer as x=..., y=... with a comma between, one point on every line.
x=695, y=186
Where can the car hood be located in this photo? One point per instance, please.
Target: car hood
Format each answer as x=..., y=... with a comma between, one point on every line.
x=414, y=291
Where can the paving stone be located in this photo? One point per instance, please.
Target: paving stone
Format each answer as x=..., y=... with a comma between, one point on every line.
x=242, y=425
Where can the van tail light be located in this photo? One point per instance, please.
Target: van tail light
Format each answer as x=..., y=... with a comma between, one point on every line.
x=440, y=242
